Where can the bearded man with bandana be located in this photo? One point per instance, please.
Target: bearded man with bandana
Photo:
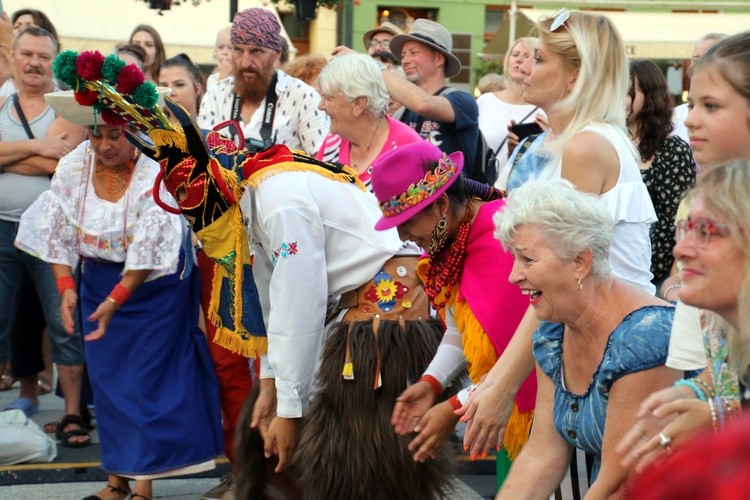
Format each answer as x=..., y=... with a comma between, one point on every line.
x=256, y=49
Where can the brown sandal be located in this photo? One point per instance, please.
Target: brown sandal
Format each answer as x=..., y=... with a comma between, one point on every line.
x=114, y=489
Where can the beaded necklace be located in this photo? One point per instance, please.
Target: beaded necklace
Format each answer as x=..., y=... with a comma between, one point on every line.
x=444, y=268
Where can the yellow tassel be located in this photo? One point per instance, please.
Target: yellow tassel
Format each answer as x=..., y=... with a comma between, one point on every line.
x=213, y=304
x=478, y=348
x=348, y=371
x=517, y=431
x=173, y=138
x=250, y=347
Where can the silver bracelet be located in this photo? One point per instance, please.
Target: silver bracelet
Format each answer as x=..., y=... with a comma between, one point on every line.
x=669, y=289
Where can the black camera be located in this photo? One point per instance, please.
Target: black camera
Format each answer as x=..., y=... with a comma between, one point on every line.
x=257, y=145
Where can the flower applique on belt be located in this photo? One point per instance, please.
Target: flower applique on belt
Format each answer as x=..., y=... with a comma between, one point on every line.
x=385, y=291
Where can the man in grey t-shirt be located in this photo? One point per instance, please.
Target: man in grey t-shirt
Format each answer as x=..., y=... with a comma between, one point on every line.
x=28, y=155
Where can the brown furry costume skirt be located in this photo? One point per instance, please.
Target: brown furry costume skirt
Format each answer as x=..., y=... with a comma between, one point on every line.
x=348, y=448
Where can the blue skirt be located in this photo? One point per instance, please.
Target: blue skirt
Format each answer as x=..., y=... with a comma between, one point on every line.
x=155, y=390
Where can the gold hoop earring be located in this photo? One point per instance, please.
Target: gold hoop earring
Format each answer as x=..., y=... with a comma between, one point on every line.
x=439, y=236
x=580, y=285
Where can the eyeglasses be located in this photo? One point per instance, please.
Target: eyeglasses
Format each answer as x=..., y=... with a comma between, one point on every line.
x=561, y=16
x=383, y=43
x=701, y=229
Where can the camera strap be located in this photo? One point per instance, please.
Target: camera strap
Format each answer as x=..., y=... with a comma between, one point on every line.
x=266, y=129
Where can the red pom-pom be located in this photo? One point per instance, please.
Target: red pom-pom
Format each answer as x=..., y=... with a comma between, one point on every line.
x=111, y=118
x=129, y=79
x=89, y=65
x=86, y=97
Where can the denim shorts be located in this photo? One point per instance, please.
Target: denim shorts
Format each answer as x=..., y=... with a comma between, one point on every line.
x=17, y=266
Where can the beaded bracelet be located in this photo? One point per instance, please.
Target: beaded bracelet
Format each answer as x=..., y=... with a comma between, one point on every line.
x=730, y=411
x=65, y=283
x=119, y=295
x=714, y=423
x=710, y=392
x=437, y=387
x=455, y=402
x=695, y=387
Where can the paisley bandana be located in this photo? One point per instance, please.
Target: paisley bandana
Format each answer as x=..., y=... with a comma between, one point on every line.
x=256, y=26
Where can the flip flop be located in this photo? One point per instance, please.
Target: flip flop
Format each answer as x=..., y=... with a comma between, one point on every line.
x=25, y=405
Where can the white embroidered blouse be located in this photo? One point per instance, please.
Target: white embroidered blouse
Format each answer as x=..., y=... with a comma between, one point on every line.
x=70, y=220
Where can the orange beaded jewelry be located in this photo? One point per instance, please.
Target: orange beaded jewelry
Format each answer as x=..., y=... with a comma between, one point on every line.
x=444, y=268
x=65, y=283
x=119, y=295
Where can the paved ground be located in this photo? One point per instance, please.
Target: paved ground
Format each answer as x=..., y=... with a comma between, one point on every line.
x=75, y=474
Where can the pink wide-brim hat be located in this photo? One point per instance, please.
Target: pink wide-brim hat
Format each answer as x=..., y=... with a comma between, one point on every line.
x=409, y=178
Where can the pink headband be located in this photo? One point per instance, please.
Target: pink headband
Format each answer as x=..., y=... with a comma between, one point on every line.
x=256, y=26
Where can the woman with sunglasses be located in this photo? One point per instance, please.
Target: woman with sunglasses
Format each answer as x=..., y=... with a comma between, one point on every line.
x=588, y=145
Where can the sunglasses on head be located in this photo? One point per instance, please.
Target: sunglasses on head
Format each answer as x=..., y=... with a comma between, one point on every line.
x=561, y=16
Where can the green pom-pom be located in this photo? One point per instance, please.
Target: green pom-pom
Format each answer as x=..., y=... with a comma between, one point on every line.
x=64, y=68
x=111, y=69
x=145, y=95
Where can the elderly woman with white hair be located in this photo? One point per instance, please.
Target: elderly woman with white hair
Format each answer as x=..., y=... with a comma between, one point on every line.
x=354, y=96
x=601, y=345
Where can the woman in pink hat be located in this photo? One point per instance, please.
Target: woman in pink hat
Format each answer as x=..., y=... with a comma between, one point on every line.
x=464, y=278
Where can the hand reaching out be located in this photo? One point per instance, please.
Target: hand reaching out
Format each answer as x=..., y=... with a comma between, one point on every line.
x=486, y=414
x=433, y=429
x=410, y=406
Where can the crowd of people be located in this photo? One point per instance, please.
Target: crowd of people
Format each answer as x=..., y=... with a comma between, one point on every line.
x=299, y=264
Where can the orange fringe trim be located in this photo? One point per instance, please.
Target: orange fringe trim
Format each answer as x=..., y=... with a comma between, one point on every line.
x=517, y=432
x=478, y=348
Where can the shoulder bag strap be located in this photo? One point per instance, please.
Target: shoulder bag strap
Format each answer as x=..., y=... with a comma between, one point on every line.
x=22, y=116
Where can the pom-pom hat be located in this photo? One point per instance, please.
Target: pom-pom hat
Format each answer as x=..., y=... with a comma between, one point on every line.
x=409, y=178
x=433, y=35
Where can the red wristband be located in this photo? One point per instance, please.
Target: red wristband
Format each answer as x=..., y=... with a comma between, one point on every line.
x=455, y=403
x=437, y=387
x=65, y=283
x=119, y=294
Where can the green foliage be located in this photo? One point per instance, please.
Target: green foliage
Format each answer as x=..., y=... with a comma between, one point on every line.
x=487, y=66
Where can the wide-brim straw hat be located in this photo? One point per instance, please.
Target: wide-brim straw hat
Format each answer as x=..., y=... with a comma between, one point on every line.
x=386, y=27
x=406, y=180
x=65, y=105
x=433, y=35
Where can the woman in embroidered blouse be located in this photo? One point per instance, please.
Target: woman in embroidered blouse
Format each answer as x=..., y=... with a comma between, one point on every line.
x=155, y=390
x=601, y=345
x=465, y=280
x=354, y=96
x=666, y=162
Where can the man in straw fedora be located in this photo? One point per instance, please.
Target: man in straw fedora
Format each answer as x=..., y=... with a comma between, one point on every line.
x=444, y=116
